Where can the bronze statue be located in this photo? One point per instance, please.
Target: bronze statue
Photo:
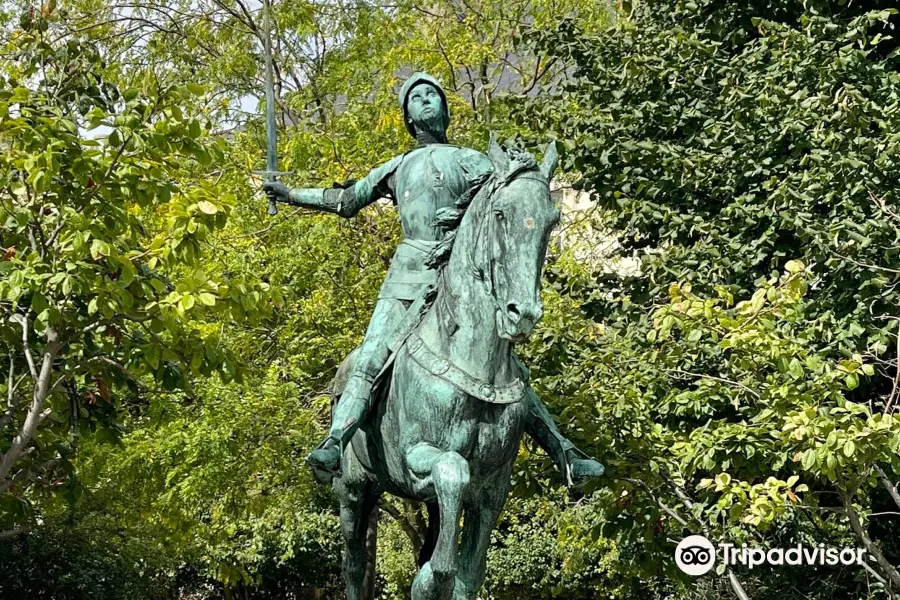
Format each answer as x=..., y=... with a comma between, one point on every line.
x=433, y=403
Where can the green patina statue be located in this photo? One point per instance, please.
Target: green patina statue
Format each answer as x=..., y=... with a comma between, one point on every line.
x=432, y=405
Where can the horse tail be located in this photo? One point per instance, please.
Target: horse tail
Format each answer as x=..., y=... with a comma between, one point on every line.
x=434, y=525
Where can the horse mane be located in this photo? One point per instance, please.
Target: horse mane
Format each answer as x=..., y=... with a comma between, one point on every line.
x=449, y=218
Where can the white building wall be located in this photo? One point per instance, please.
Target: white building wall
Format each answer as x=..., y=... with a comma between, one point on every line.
x=582, y=231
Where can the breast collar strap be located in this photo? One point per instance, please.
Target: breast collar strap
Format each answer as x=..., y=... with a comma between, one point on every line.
x=440, y=367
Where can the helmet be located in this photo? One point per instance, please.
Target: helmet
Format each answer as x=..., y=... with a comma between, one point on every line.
x=415, y=79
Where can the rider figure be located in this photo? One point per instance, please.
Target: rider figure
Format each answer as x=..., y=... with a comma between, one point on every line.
x=421, y=181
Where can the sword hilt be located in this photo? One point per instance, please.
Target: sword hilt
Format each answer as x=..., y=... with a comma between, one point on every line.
x=272, y=208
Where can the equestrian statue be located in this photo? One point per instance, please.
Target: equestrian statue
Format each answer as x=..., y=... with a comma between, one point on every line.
x=433, y=404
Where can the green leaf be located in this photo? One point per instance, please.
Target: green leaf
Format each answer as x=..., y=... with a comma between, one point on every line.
x=849, y=448
x=206, y=299
x=100, y=249
x=39, y=303
x=809, y=459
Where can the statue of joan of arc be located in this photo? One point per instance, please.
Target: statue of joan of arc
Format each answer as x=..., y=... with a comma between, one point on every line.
x=421, y=182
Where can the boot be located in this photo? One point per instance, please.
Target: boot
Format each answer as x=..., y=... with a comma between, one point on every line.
x=581, y=468
x=325, y=460
x=351, y=409
x=577, y=466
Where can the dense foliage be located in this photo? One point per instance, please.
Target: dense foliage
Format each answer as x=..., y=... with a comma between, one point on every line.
x=748, y=157
x=741, y=383
x=103, y=297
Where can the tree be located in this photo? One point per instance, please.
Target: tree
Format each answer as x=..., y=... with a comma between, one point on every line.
x=102, y=298
x=746, y=154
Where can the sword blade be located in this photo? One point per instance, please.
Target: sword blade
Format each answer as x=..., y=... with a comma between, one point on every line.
x=271, y=139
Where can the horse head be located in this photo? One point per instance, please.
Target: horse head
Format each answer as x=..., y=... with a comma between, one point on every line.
x=515, y=215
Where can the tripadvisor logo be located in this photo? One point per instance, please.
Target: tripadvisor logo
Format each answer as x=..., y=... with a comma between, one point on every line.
x=696, y=555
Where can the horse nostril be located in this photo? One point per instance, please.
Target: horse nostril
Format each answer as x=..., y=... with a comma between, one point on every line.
x=513, y=309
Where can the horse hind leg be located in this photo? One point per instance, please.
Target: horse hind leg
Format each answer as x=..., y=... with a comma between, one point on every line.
x=358, y=497
x=450, y=476
x=434, y=520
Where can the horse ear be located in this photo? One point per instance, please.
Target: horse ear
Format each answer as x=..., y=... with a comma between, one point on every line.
x=499, y=157
x=551, y=157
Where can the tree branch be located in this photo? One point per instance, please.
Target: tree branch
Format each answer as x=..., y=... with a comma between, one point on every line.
x=10, y=390
x=733, y=581
x=888, y=485
x=6, y=535
x=23, y=321
x=13, y=404
x=56, y=231
x=879, y=578
x=886, y=567
x=736, y=586
x=404, y=524
x=720, y=379
x=894, y=388
x=35, y=411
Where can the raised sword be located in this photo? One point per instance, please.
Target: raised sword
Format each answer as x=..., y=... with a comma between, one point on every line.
x=271, y=173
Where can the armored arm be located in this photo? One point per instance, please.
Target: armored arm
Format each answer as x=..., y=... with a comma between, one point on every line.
x=340, y=201
x=346, y=200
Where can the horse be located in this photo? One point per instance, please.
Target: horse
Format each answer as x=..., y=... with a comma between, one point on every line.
x=447, y=427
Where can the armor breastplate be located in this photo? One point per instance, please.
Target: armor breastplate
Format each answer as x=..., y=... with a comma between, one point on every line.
x=408, y=275
x=429, y=178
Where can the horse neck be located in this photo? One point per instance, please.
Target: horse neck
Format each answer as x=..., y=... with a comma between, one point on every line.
x=474, y=346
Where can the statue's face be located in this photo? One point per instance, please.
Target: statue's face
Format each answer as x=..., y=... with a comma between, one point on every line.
x=425, y=107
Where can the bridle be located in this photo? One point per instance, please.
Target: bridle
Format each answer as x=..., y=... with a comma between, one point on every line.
x=436, y=362
x=478, y=270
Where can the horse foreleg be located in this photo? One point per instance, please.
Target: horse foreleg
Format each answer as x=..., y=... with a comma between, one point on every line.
x=449, y=474
x=357, y=497
x=434, y=520
x=478, y=522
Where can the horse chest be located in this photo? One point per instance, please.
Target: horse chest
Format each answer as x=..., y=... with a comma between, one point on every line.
x=433, y=411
